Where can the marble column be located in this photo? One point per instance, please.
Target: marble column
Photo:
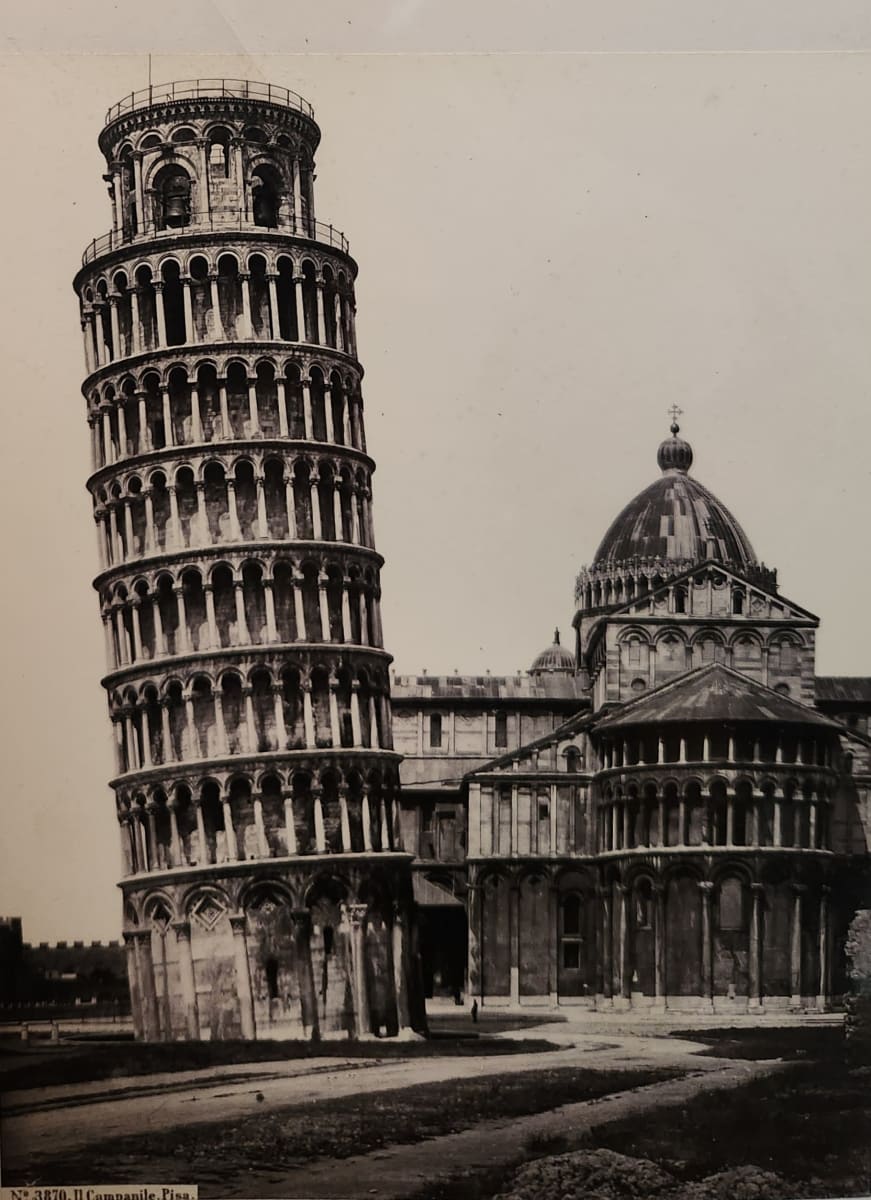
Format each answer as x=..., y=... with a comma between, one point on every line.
x=823, y=989
x=706, y=890
x=514, y=942
x=659, y=935
x=147, y=990
x=305, y=975
x=129, y=936
x=606, y=956
x=238, y=922
x=289, y=822
x=187, y=980
x=400, y=976
x=795, y=979
x=754, y=966
x=356, y=915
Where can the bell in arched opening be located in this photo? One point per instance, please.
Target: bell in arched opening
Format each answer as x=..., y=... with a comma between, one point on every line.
x=173, y=192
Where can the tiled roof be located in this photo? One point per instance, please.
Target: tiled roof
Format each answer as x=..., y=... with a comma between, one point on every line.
x=713, y=693
x=486, y=687
x=844, y=688
x=675, y=518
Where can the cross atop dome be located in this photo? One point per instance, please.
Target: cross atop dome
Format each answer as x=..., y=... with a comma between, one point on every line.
x=674, y=454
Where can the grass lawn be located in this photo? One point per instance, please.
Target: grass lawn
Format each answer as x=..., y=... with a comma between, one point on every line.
x=452, y=1022
x=338, y=1128
x=810, y=1125
x=792, y=1043
x=70, y=1062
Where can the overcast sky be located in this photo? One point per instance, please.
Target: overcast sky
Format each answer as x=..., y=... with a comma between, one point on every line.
x=553, y=249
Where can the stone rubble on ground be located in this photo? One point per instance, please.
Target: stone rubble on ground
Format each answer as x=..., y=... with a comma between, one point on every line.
x=607, y=1175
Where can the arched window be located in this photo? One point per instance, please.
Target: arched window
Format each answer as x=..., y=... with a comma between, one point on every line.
x=219, y=153
x=435, y=729
x=680, y=600
x=737, y=602
x=573, y=760
x=501, y=729
x=266, y=196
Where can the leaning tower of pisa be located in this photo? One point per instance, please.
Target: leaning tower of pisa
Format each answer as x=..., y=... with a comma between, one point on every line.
x=266, y=892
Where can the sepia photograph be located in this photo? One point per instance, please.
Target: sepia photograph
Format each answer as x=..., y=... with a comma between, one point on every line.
x=437, y=718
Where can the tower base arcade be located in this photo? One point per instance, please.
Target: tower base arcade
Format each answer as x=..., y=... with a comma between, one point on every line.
x=314, y=950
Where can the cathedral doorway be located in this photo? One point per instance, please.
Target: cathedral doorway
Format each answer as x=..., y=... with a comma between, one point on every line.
x=443, y=938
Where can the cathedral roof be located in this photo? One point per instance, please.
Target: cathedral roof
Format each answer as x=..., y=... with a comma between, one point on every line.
x=713, y=693
x=847, y=689
x=676, y=518
x=554, y=658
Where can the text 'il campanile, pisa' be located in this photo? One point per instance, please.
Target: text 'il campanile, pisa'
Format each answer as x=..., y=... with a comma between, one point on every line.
x=266, y=893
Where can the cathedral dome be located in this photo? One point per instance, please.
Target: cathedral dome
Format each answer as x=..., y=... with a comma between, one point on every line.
x=671, y=527
x=675, y=519
x=554, y=658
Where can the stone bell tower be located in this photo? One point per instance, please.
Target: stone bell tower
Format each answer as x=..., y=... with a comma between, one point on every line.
x=266, y=893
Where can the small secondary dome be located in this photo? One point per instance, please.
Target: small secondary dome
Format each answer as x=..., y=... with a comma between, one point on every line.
x=554, y=658
x=674, y=454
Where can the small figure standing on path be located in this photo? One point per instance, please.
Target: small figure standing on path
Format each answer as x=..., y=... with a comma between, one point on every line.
x=474, y=1012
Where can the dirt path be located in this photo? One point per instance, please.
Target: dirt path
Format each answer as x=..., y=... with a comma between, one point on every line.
x=47, y=1123
x=399, y=1171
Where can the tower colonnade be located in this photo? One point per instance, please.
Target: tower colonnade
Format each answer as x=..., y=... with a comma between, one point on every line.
x=239, y=584
x=188, y=300
x=180, y=610
x=184, y=821
x=204, y=501
x=196, y=714
x=232, y=397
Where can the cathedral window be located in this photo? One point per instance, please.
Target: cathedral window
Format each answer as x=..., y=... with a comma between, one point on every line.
x=501, y=729
x=680, y=600
x=435, y=730
x=643, y=907
x=573, y=760
x=571, y=940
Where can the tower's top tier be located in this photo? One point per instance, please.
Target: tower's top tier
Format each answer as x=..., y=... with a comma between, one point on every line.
x=204, y=99
x=208, y=154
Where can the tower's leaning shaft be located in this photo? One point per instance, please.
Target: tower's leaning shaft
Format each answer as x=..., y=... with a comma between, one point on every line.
x=265, y=889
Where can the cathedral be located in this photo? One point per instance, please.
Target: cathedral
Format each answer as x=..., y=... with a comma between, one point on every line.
x=672, y=815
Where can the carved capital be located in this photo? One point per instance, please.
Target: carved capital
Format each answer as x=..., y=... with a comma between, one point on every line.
x=356, y=914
